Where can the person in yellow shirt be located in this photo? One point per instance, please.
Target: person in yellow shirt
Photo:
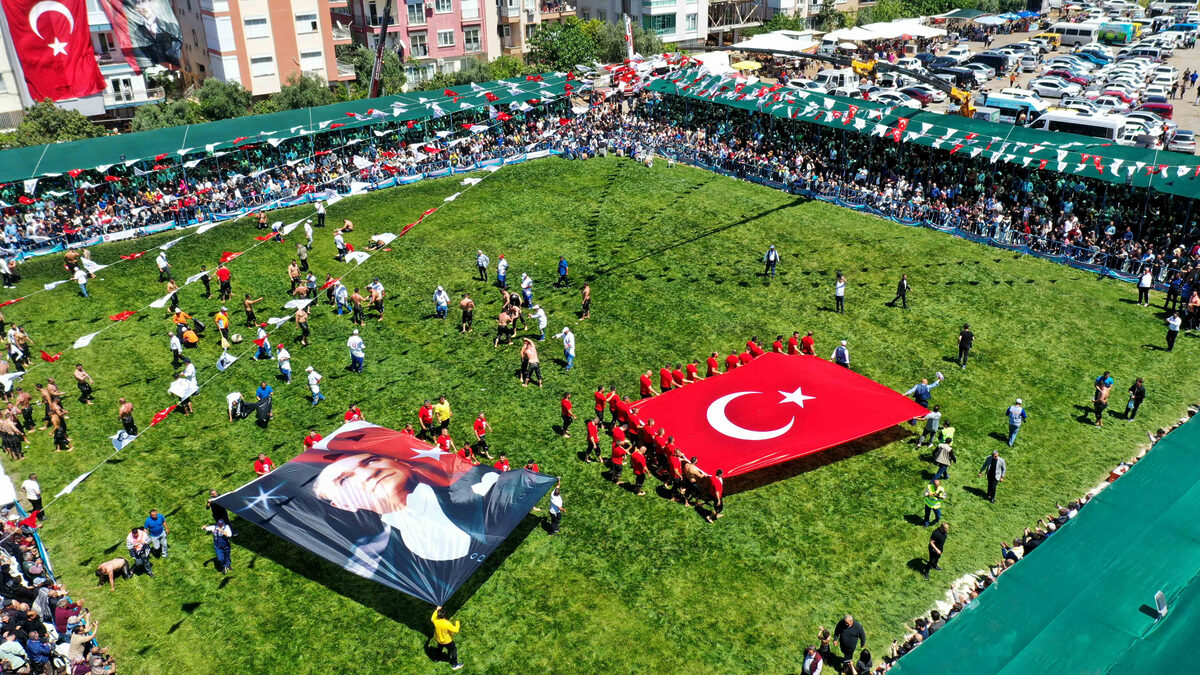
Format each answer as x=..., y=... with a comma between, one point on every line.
x=443, y=632
x=442, y=410
x=221, y=318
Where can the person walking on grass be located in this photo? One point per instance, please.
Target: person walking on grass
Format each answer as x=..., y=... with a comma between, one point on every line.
x=156, y=528
x=1016, y=417
x=481, y=264
x=1137, y=394
x=770, y=260
x=943, y=457
x=33, y=493
x=966, y=339
x=1103, y=387
x=443, y=633
x=568, y=415
x=568, y=340
x=556, y=507
x=933, y=420
x=901, y=292
x=937, y=544
x=1173, y=324
x=994, y=468
x=84, y=382
x=839, y=293
x=935, y=495
x=221, y=534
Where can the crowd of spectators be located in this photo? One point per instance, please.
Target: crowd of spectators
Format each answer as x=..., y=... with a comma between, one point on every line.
x=41, y=629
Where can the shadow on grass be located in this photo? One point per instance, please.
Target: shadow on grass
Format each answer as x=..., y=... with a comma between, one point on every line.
x=815, y=461
x=394, y=605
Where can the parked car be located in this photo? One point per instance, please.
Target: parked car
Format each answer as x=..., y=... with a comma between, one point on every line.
x=1183, y=141
x=1029, y=63
x=1163, y=110
x=807, y=85
x=982, y=70
x=1111, y=104
x=960, y=53
x=1069, y=76
x=925, y=58
x=919, y=94
x=942, y=62
x=1055, y=87
x=896, y=98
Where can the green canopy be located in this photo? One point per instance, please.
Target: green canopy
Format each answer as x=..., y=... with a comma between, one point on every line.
x=1083, y=601
x=177, y=142
x=1085, y=156
x=964, y=14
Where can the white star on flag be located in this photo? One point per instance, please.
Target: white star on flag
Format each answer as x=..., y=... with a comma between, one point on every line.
x=796, y=397
x=264, y=498
x=58, y=47
x=433, y=453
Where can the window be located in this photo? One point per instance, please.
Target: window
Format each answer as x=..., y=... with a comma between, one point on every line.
x=106, y=43
x=443, y=6
x=201, y=67
x=256, y=27
x=416, y=15
x=602, y=15
x=659, y=25
x=419, y=46
x=470, y=9
x=262, y=65
x=122, y=88
x=3, y=85
x=312, y=60
x=587, y=16
x=690, y=23
x=306, y=23
x=658, y=3
x=445, y=38
x=530, y=29
x=471, y=40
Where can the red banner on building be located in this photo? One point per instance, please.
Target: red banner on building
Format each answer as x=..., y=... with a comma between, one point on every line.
x=54, y=44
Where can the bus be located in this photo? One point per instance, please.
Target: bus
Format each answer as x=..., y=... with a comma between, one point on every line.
x=1119, y=33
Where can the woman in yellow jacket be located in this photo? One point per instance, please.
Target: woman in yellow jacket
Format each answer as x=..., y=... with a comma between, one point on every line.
x=443, y=632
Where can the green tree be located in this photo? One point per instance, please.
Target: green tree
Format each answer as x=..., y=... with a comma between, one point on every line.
x=363, y=59
x=303, y=91
x=45, y=122
x=222, y=100
x=560, y=46
x=610, y=43
x=508, y=66
x=167, y=114
x=885, y=10
x=829, y=18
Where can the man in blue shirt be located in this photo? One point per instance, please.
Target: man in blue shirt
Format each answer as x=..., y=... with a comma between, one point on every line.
x=1016, y=417
x=562, y=273
x=922, y=392
x=264, y=390
x=156, y=527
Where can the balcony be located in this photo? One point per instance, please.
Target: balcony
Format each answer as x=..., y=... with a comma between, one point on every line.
x=557, y=10
x=107, y=58
x=338, y=3
x=126, y=98
x=341, y=33
x=345, y=71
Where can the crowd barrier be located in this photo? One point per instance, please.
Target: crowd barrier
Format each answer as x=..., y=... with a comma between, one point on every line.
x=914, y=214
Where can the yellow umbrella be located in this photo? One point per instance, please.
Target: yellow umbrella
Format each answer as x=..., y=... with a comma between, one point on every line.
x=746, y=65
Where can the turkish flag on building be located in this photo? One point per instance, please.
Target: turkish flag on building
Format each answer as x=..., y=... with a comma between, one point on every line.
x=774, y=409
x=54, y=44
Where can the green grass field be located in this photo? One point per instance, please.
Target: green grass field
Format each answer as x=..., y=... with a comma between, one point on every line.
x=634, y=584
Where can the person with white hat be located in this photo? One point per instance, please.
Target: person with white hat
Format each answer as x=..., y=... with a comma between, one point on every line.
x=441, y=301
x=568, y=339
x=314, y=385
x=285, y=362
x=357, y=351
x=540, y=315
x=770, y=260
x=1016, y=417
x=841, y=355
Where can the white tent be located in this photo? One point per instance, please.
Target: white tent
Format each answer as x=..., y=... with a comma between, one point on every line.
x=858, y=34
x=885, y=30
x=777, y=42
x=716, y=62
x=915, y=28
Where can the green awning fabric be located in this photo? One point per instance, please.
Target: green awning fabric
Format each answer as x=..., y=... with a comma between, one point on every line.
x=1081, y=603
x=964, y=14
x=198, y=139
x=1169, y=172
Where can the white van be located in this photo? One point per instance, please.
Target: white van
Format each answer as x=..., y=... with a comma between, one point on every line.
x=1100, y=125
x=1075, y=34
x=833, y=79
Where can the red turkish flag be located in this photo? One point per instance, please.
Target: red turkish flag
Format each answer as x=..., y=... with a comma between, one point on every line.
x=492, y=98
x=50, y=359
x=774, y=409
x=54, y=43
x=161, y=415
x=121, y=316
x=74, y=173
x=6, y=303
x=504, y=117
x=133, y=256
x=227, y=256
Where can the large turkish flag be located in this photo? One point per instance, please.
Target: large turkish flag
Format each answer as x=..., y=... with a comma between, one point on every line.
x=54, y=45
x=773, y=409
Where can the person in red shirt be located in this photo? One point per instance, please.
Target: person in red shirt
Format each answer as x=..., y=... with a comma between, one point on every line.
x=745, y=357
x=714, y=365
x=677, y=376
x=633, y=421
x=502, y=463
x=777, y=345
x=732, y=361
x=311, y=439
x=468, y=454
x=445, y=442
x=481, y=429
x=618, y=462
x=593, y=440
x=693, y=373
x=567, y=415
x=618, y=434
x=808, y=345
x=647, y=386
x=794, y=344
x=225, y=290
x=408, y=430
x=263, y=465
x=353, y=414
x=664, y=379
x=601, y=399
x=614, y=405
x=532, y=466
x=753, y=348
x=676, y=476
x=637, y=461
x=425, y=417
x=717, y=488
x=648, y=430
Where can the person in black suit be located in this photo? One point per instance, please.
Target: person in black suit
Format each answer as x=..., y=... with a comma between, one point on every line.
x=994, y=468
x=901, y=292
x=937, y=544
x=153, y=33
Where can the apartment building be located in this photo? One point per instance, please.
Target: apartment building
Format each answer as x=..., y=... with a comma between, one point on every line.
x=684, y=22
x=810, y=8
x=518, y=20
x=431, y=36
x=258, y=43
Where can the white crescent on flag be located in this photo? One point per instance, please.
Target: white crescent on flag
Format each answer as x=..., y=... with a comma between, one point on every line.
x=718, y=420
